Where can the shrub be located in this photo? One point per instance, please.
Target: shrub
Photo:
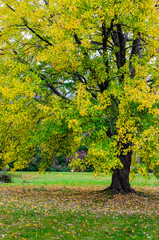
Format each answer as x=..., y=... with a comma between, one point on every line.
x=156, y=171
x=5, y=177
x=60, y=164
x=77, y=164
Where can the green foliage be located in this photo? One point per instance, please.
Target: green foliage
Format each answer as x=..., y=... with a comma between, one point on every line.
x=77, y=164
x=135, y=170
x=84, y=148
x=156, y=171
x=33, y=164
x=79, y=72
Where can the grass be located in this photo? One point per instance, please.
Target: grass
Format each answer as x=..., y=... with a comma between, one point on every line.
x=60, y=179
x=69, y=206
x=75, y=179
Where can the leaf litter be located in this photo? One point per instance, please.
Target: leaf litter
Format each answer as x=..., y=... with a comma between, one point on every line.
x=48, y=203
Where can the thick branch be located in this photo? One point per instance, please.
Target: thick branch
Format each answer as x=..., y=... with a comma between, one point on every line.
x=96, y=43
x=136, y=50
x=119, y=41
x=78, y=41
x=105, y=36
x=140, y=45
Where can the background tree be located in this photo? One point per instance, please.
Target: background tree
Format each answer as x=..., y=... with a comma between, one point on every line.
x=80, y=72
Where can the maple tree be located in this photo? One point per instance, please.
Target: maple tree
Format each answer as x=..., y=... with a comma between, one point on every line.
x=80, y=72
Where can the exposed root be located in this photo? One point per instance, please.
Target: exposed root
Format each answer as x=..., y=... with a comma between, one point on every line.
x=112, y=190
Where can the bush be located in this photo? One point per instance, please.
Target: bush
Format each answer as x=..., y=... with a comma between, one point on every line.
x=83, y=148
x=77, y=164
x=156, y=171
x=5, y=177
x=59, y=168
x=60, y=164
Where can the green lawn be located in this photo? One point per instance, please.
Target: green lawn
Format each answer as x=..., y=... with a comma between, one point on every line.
x=69, y=206
x=75, y=179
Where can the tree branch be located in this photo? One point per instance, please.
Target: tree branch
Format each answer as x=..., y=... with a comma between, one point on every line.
x=53, y=88
x=136, y=46
x=10, y=7
x=78, y=41
x=33, y=31
x=46, y=2
x=56, y=91
x=119, y=41
x=96, y=43
x=83, y=80
x=136, y=50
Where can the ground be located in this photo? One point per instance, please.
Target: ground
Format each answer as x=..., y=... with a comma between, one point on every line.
x=77, y=212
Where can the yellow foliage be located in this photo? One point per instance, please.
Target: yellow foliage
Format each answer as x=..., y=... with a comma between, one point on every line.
x=78, y=72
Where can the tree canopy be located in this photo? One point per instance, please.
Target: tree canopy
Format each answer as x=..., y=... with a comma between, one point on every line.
x=79, y=72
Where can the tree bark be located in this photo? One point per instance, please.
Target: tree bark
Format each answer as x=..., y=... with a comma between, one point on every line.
x=120, y=178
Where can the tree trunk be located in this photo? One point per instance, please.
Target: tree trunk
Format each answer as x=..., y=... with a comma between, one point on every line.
x=120, y=178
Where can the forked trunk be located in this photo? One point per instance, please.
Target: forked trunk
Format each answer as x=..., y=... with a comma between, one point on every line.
x=120, y=177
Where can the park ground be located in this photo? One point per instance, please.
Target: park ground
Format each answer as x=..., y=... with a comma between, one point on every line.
x=71, y=206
